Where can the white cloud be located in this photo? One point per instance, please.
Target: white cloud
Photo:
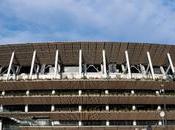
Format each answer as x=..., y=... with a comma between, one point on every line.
x=119, y=20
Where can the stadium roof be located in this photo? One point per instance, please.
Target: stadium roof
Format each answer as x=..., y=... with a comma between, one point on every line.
x=92, y=53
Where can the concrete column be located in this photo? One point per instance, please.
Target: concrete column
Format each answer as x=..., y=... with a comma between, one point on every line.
x=133, y=107
x=32, y=64
x=26, y=108
x=134, y=123
x=52, y=108
x=150, y=65
x=104, y=63
x=79, y=108
x=56, y=64
x=10, y=64
x=79, y=123
x=107, y=108
x=171, y=63
x=80, y=62
x=128, y=64
x=79, y=92
x=107, y=123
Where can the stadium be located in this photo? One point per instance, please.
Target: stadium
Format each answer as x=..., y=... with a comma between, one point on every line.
x=87, y=86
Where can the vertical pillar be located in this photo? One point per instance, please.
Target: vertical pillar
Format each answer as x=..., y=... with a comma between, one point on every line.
x=104, y=63
x=52, y=108
x=107, y=108
x=32, y=64
x=56, y=64
x=107, y=123
x=171, y=63
x=79, y=123
x=150, y=65
x=26, y=108
x=79, y=92
x=10, y=64
x=134, y=123
x=128, y=64
x=80, y=62
x=79, y=108
x=133, y=107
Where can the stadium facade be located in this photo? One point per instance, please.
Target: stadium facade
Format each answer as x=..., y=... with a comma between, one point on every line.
x=87, y=86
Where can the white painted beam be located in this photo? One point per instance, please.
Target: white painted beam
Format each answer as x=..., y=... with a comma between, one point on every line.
x=32, y=64
x=128, y=64
x=150, y=64
x=104, y=63
x=171, y=63
x=80, y=62
x=10, y=64
x=56, y=64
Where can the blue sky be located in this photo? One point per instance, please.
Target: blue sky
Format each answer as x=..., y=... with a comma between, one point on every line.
x=110, y=20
